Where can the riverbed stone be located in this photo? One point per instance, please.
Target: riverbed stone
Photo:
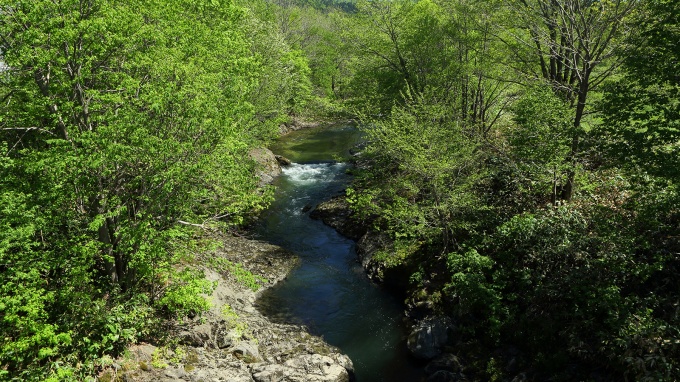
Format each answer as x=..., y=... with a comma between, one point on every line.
x=306, y=367
x=247, y=350
x=336, y=213
x=268, y=166
x=175, y=373
x=197, y=336
x=283, y=161
x=429, y=337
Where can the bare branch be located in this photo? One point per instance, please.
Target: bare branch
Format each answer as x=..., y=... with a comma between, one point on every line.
x=191, y=224
x=27, y=129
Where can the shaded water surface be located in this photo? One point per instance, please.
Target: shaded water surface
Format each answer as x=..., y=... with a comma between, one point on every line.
x=329, y=292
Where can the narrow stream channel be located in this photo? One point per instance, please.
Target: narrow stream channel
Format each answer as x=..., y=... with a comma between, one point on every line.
x=329, y=292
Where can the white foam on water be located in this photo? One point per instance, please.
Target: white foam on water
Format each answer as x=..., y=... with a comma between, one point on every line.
x=313, y=173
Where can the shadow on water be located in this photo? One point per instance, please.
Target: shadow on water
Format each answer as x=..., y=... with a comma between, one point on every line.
x=329, y=292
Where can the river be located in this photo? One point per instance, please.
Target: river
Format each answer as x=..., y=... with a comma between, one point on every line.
x=329, y=292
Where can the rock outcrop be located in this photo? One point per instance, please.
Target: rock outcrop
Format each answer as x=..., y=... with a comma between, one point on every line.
x=268, y=165
x=336, y=214
x=428, y=337
x=305, y=367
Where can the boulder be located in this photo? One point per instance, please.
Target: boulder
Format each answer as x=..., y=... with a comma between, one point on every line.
x=369, y=245
x=175, y=373
x=224, y=341
x=429, y=337
x=198, y=336
x=283, y=161
x=268, y=168
x=246, y=350
x=271, y=373
x=336, y=213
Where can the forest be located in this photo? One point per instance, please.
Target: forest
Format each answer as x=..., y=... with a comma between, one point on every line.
x=522, y=162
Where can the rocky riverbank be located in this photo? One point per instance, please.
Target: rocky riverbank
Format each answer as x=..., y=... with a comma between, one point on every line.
x=233, y=341
x=432, y=336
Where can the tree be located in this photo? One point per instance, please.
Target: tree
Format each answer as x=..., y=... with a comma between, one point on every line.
x=421, y=180
x=480, y=89
x=641, y=126
x=122, y=126
x=572, y=44
x=539, y=143
x=419, y=46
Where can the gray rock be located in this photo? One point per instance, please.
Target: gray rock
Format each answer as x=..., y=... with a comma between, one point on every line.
x=428, y=337
x=345, y=362
x=226, y=340
x=175, y=373
x=283, y=161
x=221, y=375
x=198, y=336
x=270, y=373
x=247, y=350
x=306, y=367
x=268, y=166
x=367, y=247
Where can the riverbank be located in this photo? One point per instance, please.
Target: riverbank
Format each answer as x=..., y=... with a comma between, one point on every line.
x=432, y=336
x=233, y=341
x=330, y=292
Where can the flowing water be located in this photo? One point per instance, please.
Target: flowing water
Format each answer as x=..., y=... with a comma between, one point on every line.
x=329, y=292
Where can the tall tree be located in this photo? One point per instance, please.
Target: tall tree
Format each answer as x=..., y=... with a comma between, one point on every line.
x=120, y=123
x=445, y=45
x=572, y=44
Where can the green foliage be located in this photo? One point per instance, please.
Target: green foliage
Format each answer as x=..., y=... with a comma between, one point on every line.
x=242, y=275
x=540, y=141
x=641, y=109
x=483, y=209
x=125, y=125
x=233, y=321
x=573, y=275
x=398, y=253
x=184, y=296
x=448, y=46
x=471, y=290
x=283, y=88
x=425, y=167
x=542, y=127
x=122, y=125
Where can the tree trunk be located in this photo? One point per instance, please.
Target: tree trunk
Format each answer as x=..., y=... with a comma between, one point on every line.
x=568, y=189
